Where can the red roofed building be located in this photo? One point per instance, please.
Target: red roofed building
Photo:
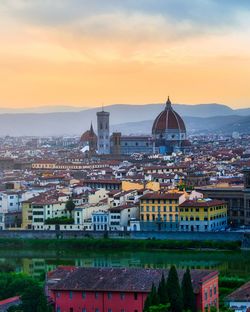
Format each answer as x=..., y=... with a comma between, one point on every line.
x=239, y=300
x=10, y=302
x=169, y=131
x=89, y=138
x=203, y=215
x=120, y=289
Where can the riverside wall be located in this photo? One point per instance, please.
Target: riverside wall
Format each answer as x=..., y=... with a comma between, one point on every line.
x=197, y=236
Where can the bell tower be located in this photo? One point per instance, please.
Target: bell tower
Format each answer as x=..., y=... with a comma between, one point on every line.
x=103, y=144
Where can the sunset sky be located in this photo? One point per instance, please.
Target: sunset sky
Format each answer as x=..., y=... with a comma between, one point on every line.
x=89, y=52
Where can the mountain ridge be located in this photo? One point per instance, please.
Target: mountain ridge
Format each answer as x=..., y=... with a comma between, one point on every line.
x=75, y=123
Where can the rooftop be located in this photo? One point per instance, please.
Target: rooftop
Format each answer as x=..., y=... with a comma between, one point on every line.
x=241, y=294
x=120, y=279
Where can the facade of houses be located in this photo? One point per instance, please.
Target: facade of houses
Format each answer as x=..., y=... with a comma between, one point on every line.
x=159, y=211
x=203, y=215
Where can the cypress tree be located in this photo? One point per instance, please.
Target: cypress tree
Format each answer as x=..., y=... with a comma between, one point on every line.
x=174, y=291
x=154, y=296
x=162, y=290
x=188, y=292
x=152, y=299
x=147, y=303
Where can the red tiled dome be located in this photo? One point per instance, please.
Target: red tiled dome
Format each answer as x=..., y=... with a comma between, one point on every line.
x=168, y=120
x=88, y=135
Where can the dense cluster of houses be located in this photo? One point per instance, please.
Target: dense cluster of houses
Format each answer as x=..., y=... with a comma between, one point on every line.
x=38, y=176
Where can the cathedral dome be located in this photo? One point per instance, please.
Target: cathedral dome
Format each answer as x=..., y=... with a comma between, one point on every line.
x=168, y=120
x=89, y=135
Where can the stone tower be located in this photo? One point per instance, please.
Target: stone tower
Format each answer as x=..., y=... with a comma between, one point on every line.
x=115, y=142
x=103, y=145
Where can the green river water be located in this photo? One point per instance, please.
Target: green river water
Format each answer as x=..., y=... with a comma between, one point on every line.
x=35, y=262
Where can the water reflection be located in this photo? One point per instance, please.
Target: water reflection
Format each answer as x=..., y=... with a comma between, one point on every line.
x=36, y=262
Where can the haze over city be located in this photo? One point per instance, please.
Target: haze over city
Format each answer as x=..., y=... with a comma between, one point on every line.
x=85, y=53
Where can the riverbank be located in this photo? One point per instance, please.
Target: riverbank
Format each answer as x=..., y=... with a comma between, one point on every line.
x=116, y=244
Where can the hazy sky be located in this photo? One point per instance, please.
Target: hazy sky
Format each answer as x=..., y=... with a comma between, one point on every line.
x=89, y=52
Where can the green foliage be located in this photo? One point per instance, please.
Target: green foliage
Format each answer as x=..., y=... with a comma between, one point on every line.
x=152, y=299
x=174, y=291
x=32, y=294
x=6, y=267
x=162, y=291
x=59, y=220
x=188, y=292
x=231, y=282
x=160, y=308
x=108, y=243
x=70, y=206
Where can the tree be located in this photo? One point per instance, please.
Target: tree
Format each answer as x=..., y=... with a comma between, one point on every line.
x=174, y=291
x=162, y=290
x=33, y=299
x=160, y=308
x=70, y=206
x=188, y=292
x=152, y=299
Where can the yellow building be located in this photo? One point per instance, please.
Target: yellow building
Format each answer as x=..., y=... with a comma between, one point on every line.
x=27, y=215
x=203, y=215
x=159, y=211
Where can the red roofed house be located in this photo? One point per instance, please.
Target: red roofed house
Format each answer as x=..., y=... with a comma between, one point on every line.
x=239, y=300
x=10, y=302
x=79, y=289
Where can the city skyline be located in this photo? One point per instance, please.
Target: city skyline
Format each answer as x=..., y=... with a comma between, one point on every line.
x=85, y=53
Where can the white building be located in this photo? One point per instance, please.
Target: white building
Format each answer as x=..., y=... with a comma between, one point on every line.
x=100, y=221
x=10, y=201
x=120, y=217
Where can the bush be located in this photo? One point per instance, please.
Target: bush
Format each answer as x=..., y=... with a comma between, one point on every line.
x=60, y=220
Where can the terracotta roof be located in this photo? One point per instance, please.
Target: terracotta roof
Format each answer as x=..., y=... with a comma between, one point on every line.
x=161, y=196
x=12, y=300
x=202, y=203
x=168, y=119
x=240, y=294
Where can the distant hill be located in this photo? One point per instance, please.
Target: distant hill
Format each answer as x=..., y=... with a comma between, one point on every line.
x=125, y=118
x=41, y=109
x=194, y=125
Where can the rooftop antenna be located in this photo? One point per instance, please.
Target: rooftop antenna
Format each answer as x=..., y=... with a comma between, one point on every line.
x=102, y=107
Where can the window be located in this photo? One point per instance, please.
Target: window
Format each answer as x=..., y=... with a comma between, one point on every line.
x=58, y=294
x=96, y=295
x=211, y=292
x=84, y=310
x=83, y=295
x=122, y=296
x=215, y=290
x=71, y=310
x=135, y=296
x=58, y=309
x=205, y=295
x=70, y=294
x=109, y=310
x=109, y=295
x=97, y=310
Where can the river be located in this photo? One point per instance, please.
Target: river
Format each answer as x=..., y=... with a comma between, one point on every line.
x=35, y=262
